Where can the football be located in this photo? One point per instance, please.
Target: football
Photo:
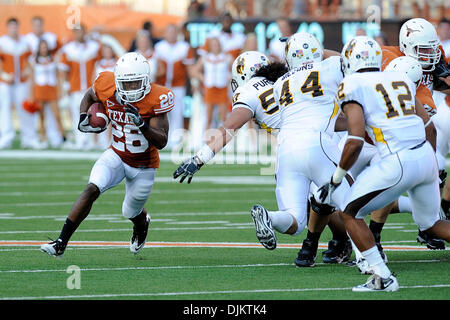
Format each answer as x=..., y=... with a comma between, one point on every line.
x=99, y=117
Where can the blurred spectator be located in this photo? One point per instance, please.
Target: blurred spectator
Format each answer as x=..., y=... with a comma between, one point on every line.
x=381, y=39
x=14, y=88
x=195, y=10
x=44, y=92
x=360, y=32
x=251, y=43
x=176, y=56
x=77, y=66
x=230, y=42
x=276, y=47
x=213, y=70
x=145, y=47
x=299, y=8
x=148, y=26
x=38, y=33
x=444, y=35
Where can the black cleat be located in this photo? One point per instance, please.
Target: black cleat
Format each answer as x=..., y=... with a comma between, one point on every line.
x=137, y=241
x=338, y=251
x=432, y=243
x=307, y=255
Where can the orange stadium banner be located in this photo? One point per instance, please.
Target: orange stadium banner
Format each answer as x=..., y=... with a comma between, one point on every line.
x=117, y=20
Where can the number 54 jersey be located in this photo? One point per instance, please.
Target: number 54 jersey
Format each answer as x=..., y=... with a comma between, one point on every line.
x=128, y=141
x=388, y=102
x=257, y=96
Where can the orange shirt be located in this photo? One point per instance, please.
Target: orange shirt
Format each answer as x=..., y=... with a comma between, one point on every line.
x=128, y=141
x=79, y=60
x=175, y=57
x=14, y=58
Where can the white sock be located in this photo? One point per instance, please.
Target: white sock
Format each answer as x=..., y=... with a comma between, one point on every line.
x=376, y=263
x=358, y=254
x=281, y=220
x=404, y=204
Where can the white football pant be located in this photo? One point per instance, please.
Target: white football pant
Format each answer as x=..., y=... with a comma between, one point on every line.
x=302, y=159
x=109, y=170
x=16, y=94
x=412, y=171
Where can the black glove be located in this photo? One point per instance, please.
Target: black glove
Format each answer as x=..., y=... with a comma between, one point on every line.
x=326, y=191
x=84, y=126
x=133, y=113
x=441, y=70
x=188, y=168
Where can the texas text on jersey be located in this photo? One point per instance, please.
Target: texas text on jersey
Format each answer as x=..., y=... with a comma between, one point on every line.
x=128, y=141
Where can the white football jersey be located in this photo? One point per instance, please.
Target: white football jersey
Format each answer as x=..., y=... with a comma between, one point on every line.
x=257, y=96
x=388, y=102
x=306, y=96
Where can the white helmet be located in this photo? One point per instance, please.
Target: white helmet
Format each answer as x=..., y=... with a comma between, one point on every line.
x=132, y=77
x=302, y=48
x=409, y=65
x=245, y=66
x=418, y=39
x=361, y=52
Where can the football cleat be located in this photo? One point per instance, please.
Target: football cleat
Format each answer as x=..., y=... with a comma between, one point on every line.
x=432, y=243
x=376, y=283
x=264, y=229
x=139, y=237
x=338, y=251
x=307, y=255
x=55, y=248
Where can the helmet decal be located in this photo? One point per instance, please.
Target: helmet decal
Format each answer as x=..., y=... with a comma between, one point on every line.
x=409, y=31
x=349, y=50
x=240, y=65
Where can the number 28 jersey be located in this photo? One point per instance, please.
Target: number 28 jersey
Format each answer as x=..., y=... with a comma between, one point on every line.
x=388, y=103
x=128, y=141
x=257, y=96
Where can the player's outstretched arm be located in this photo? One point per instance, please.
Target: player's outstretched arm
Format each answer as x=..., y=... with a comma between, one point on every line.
x=237, y=118
x=430, y=130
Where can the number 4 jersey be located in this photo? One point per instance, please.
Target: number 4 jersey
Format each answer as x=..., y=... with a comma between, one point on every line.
x=128, y=141
x=387, y=100
x=306, y=97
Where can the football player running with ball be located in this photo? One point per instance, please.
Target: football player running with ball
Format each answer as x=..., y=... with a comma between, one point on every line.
x=138, y=113
x=383, y=104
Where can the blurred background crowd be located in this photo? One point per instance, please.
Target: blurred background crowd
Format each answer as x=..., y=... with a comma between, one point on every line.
x=52, y=51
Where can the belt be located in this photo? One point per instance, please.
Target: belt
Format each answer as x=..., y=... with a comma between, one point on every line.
x=418, y=146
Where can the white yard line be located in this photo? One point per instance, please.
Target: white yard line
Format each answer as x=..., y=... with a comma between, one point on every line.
x=156, y=294
x=224, y=266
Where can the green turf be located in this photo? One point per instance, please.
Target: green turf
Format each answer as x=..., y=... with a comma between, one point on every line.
x=36, y=195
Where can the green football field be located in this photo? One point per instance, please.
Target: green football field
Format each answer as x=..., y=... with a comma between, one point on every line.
x=201, y=243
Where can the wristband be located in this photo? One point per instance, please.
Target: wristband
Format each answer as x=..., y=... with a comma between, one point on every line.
x=356, y=138
x=338, y=175
x=205, y=154
x=426, y=124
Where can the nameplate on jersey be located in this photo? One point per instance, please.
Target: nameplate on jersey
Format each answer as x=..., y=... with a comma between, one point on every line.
x=261, y=84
